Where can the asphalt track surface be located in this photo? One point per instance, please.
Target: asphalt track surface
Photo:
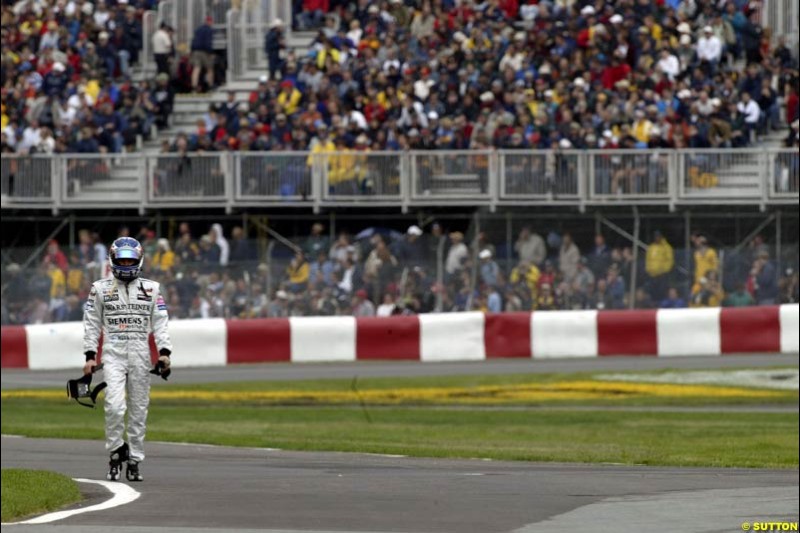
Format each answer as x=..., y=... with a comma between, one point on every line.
x=191, y=488
x=206, y=489
x=25, y=379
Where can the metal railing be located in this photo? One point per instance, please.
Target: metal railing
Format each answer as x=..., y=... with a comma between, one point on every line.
x=183, y=15
x=540, y=175
x=246, y=30
x=782, y=17
x=358, y=175
x=442, y=175
x=233, y=21
x=278, y=176
x=27, y=179
x=187, y=177
x=629, y=174
x=149, y=26
x=494, y=178
x=716, y=173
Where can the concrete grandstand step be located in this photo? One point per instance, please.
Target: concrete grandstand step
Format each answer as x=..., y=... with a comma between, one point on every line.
x=125, y=175
x=176, y=129
x=446, y=192
x=729, y=192
x=192, y=108
x=105, y=197
x=219, y=95
x=186, y=119
x=111, y=185
x=456, y=177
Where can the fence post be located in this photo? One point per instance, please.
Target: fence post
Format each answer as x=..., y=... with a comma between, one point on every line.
x=591, y=178
x=440, y=273
x=493, y=181
x=585, y=175
x=405, y=192
x=228, y=169
x=316, y=181
x=672, y=178
x=145, y=189
x=55, y=182
x=766, y=166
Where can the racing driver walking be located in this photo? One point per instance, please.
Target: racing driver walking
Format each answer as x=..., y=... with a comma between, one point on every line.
x=125, y=308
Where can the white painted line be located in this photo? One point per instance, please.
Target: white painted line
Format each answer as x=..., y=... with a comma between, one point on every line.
x=196, y=445
x=122, y=494
x=7, y=436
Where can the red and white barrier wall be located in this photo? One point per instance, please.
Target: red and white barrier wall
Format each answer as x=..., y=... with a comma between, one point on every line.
x=439, y=337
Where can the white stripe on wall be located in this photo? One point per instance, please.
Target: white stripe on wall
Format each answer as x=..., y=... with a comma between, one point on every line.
x=790, y=328
x=323, y=339
x=688, y=332
x=452, y=337
x=55, y=346
x=563, y=334
x=199, y=342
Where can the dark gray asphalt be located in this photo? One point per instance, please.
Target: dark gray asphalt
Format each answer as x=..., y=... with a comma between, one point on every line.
x=189, y=486
x=15, y=379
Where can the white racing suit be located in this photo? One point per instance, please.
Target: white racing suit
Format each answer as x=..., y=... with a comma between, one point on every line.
x=126, y=314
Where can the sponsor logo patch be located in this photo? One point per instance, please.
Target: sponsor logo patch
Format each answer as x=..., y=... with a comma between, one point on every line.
x=161, y=304
x=128, y=307
x=126, y=320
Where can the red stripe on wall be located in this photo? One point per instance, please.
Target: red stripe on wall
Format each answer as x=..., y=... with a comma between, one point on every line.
x=395, y=337
x=750, y=329
x=151, y=342
x=99, y=357
x=259, y=341
x=627, y=333
x=14, y=345
x=507, y=335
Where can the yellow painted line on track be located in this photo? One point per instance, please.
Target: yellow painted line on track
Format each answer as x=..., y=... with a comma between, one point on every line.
x=487, y=394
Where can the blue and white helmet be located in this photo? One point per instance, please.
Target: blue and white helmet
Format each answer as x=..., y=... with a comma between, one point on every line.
x=126, y=248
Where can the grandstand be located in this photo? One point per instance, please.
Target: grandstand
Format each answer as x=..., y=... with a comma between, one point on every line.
x=442, y=155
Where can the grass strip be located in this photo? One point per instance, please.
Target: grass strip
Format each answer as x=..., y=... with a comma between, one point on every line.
x=32, y=492
x=721, y=439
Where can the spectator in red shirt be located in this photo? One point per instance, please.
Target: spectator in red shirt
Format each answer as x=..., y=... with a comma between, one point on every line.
x=56, y=256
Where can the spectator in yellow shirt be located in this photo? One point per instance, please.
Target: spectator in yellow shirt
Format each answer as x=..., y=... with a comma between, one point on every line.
x=705, y=258
x=328, y=51
x=341, y=176
x=58, y=283
x=659, y=262
x=289, y=98
x=324, y=145
x=74, y=274
x=298, y=272
x=164, y=258
x=641, y=127
x=707, y=292
x=528, y=274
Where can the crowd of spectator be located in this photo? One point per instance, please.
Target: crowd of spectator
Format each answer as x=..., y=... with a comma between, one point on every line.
x=381, y=272
x=422, y=74
x=66, y=77
x=400, y=74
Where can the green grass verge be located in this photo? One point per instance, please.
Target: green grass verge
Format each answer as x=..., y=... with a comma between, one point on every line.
x=725, y=439
x=30, y=492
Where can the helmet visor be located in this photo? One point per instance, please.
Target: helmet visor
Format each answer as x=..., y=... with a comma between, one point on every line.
x=127, y=253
